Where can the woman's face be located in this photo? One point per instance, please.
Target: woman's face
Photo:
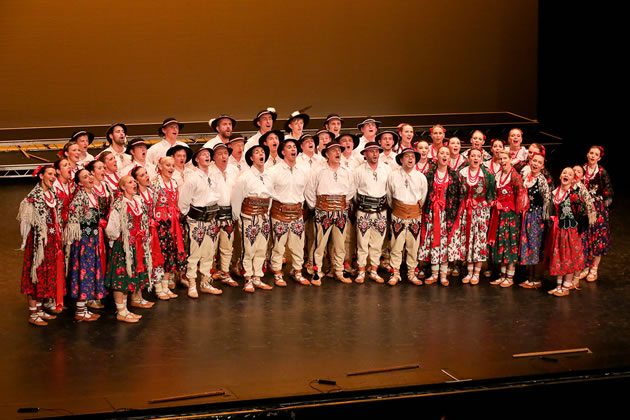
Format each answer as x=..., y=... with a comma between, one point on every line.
x=99, y=171
x=531, y=150
x=110, y=163
x=142, y=177
x=86, y=179
x=423, y=148
x=48, y=177
x=566, y=176
x=477, y=140
x=64, y=170
x=406, y=133
x=516, y=137
x=505, y=161
x=437, y=134
x=474, y=158
x=73, y=153
x=537, y=163
x=167, y=168
x=454, y=145
x=130, y=187
x=594, y=155
x=579, y=173
x=497, y=147
x=443, y=156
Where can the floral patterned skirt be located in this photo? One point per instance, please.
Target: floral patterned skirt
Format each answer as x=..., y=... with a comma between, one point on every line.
x=173, y=259
x=117, y=277
x=47, y=273
x=596, y=240
x=475, y=241
x=532, y=236
x=505, y=249
x=447, y=251
x=85, y=272
x=567, y=256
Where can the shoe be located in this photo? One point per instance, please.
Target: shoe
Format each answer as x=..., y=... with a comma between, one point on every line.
x=413, y=279
x=259, y=284
x=508, y=282
x=227, y=279
x=345, y=280
x=317, y=282
x=583, y=273
x=553, y=291
x=444, y=281
x=592, y=275
x=487, y=273
x=374, y=276
x=128, y=317
x=561, y=292
x=249, y=286
x=46, y=316
x=308, y=266
x=360, y=278
x=170, y=294
x=466, y=279
x=34, y=319
x=431, y=279
x=95, y=304
x=192, y=291
x=297, y=276
x=278, y=279
x=84, y=316
x=497, y=281
x=52, y=307
x=142, y=304
x=455, y=272
x=526, y=284
x=474, y=280
x=205, y=287
x=536, y=285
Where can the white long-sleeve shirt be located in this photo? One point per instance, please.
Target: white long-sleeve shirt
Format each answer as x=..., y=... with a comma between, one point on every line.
x=241, y=165
x=229, y=176
x=213, y=142
x=326, y=181
x=370, y=182
x=389, y=160
x=408, y=188
x=251, y=183
x=200, y=189
x=253, y=140
x=519, y=156
x=288, y=183
x=307, y=164
x=352, y=162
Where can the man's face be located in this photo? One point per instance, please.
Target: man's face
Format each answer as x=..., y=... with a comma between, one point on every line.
x=371, y=155
x=347, y=143
x=297, y=125
x=265, y=122
x=180, y=158
x=258, y=156
x=290, y=152
x=334, y=125
x=203, y=158
x=369, y=129
x=83, y=142
x=334, y=155
x=139, y=153
x=408, y=161
x=171, y=130
x=237, y=148
x=324, y=139
x=118, y=136
x=308, y=146
x=387, y=141
x=272, y=142
x=224, y=128
x=221, y=156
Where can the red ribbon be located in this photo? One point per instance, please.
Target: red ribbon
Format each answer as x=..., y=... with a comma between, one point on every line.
x=61, y=262
x=140, y=238
x=156, y=253
x=176, y=231
x=101, y=245
x=437, y=205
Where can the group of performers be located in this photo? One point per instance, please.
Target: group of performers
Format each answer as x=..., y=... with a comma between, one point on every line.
x=138, y=218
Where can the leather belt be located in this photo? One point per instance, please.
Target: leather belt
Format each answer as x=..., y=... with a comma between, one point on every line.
x=331, y=202
x=368, y=204
x=405, y=211
x=254, y=206
x=224, y=213
x=285, y=212
x=203, y=214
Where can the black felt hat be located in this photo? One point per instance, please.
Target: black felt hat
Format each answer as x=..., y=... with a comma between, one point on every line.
x=371, y=145
x=168, y=121
x=278, y=133
x=248, y=153
x=111, y=129
x=80, y=133
x=407, y=150
x=285, y=141
x=307, y=136
x=215, y=121
x=355, y=139
x=393, y=133
x=369, y=120
x=137, y=141
x=294, y=115
x=269, y=110
x=178, y=147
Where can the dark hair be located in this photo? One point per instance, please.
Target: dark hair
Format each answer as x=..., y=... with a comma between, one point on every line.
x=76, y=175
x=103, y=155
x=134, y=171
x=496, y=140
x=90, y=166
x=67, y=146
x=57, y=164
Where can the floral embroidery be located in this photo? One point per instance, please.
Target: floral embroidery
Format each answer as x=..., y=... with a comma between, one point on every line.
x=297, y=227
x=280, y=228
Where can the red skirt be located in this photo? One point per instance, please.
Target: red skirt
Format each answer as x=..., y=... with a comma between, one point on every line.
x=567, y=256
x=48, y=273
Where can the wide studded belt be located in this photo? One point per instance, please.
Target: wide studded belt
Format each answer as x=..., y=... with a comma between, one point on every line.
x=331, y=202
x=285, y=212
x=203, y=214
x=368, y=204
x=254, y=206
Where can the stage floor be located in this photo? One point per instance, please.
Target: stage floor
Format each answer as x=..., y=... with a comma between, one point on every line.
x=276, y=344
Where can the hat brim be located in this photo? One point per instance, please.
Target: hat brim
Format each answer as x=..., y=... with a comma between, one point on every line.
x=164, y=125
x=355, y=139
x=379, y=148
x=274, y=117
x=278, y=133
x=216, y=122
x=309, y=136
x=400, y=155
x=177, y=147
x=378, y=124
x=304, y=117
x=395, y=135
x=111, y=128
x=196, y=153
x=131, y=146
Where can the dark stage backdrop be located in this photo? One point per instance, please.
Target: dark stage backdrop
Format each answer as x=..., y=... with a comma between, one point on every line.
x=77, y=62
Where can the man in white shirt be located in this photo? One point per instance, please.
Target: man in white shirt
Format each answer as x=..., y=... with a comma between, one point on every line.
x=368, y=127
x=296, y=124
x=388, y=140
x=287, y=222
x=229, y=248
x=169, y=130
x=333, y=124
x=237, y=157
x=116, y=136
x=329, y=191
x=370, y=179
x=323, y=137
x=308, y=157
x=406, y=192
x=350, y=161
x=223, y=126
x=137, y=148
x=264, y=122
x=251, y=198
x=198, y=199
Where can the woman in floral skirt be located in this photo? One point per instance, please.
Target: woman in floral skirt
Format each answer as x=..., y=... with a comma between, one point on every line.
x=597, y=240
x=130, y=259
x=503, y=236
x=440, y=211
x=41, y=242
x=169, y=231
x=534, y=218
x=478, y=191
x=86, y=266
x=567, y=255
